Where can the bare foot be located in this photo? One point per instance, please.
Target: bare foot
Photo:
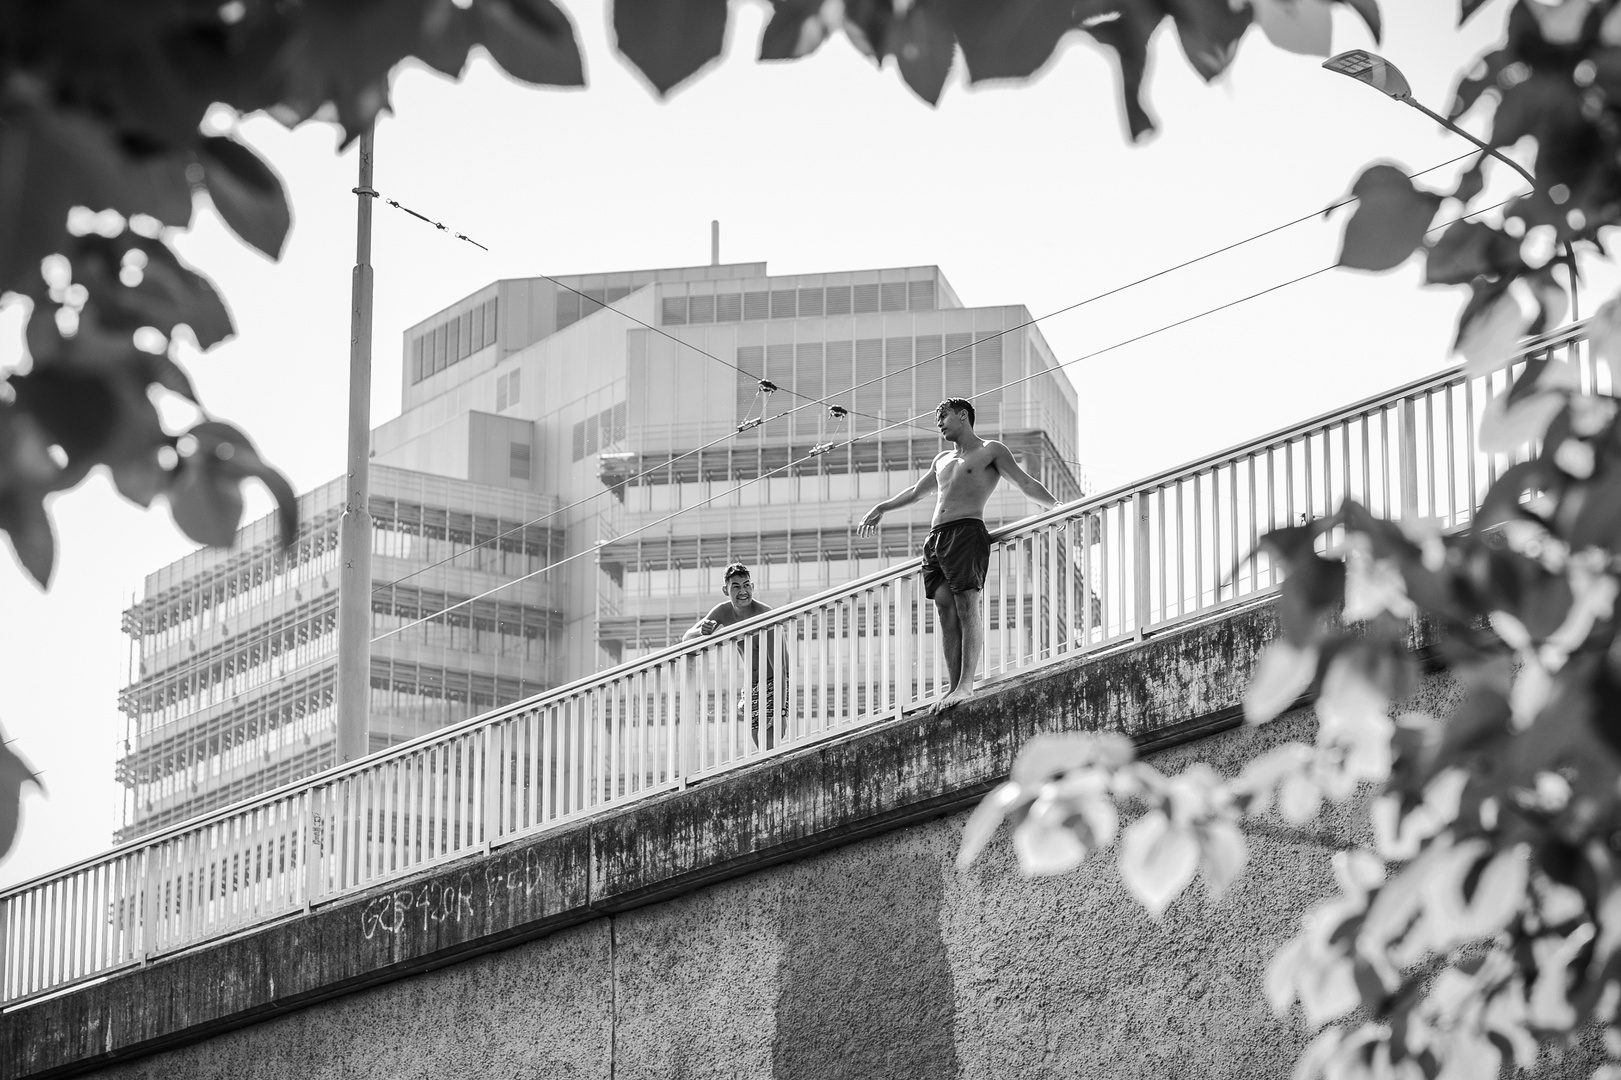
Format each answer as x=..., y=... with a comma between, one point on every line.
x=954, y=698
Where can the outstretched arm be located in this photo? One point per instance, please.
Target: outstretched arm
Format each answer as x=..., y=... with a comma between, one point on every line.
x=925, y=484
x=1010, y=468
x=706, y=625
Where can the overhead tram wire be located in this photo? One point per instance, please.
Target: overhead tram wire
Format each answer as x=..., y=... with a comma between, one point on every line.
x=1007, y=330
x=266, y=636
x=902, y=423
x=850, y=390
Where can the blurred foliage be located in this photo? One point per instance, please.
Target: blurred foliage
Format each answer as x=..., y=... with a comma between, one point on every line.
x=1485, y=918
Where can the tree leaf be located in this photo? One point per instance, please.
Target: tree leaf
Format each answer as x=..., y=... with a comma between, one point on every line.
x=233, y=455
x=26, y=525
x=27, y=475
x=1284, y=673
x=1157, y=860
x=14, y=773
x=796, y=29
x=987, y=818
x=1504, y=429
x=168, y=294
x=205, y=501
x=1465, y=251
x=532, y=40
x=1472, y=182
x=1010, y=39
x=247, y=193
x=1298, y=26
x=669, y=40
x=448, y=32
x=1128, y=35
x=1488, y=337
x=64, y=159
x=1048, y=756
x=924, y=48
x=1222, y=855
x=1209, y=33
x=1389, y=222
x=1045, y=845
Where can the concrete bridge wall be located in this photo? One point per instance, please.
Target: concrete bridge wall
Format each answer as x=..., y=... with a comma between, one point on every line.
x=800, y=921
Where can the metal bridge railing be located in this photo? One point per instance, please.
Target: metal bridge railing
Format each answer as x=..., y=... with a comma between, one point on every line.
x=1107, y=568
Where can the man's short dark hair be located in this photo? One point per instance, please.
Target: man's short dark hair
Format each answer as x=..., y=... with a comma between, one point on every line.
x=956, y=404
x=733, y=570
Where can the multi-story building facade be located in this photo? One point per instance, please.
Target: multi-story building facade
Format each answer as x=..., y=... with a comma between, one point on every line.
x=626, y=435
x=234, y=652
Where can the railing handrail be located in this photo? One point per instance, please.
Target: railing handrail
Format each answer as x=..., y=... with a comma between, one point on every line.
x=781, y=614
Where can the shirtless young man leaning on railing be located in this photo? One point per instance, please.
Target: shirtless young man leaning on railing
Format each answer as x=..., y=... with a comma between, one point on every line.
x=957, y=553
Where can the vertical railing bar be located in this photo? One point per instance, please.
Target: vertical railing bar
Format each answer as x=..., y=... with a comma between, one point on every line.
x=1198, y=542
x=1253, y=555
x=1230, y=564
x=1429, y=452
x=1407, y=456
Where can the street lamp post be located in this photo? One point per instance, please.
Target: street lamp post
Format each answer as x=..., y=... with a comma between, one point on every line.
x=1382, y=75
x=354, y=536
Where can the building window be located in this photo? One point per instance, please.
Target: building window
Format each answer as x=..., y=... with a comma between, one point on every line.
x=893, y=296
x=729, y=308
x=701, y=309
x=810, y=302
x=838, y=300
x=568, y=308
x=783, y=304
x=519, y=467
x=674, y=311
x=756, y=305
x=959, y=366
x=490, y=310
x=920, y=295
x=866, y=299
x=506, y=390
x=600, y=431
x=416, y=360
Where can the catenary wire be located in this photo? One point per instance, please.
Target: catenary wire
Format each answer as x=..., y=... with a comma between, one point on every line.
x=850, y=390
x=901, y=423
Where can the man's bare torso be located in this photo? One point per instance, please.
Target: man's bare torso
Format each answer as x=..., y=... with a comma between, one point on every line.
x=966, y=480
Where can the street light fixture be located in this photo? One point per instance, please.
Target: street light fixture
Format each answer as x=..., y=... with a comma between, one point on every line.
x=1385, y=77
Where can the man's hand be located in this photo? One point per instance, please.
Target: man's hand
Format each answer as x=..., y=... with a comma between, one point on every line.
x=869, y=524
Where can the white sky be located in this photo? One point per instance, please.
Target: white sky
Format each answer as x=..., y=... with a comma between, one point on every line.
x=1023, y=193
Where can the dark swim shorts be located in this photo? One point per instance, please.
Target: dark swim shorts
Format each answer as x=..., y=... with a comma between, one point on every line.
x=958, y=554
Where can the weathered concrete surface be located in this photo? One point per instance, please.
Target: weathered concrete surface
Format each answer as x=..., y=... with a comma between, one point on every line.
x=800, y=920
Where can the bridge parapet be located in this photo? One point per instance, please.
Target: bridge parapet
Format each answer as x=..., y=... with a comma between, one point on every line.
x=1183, y=685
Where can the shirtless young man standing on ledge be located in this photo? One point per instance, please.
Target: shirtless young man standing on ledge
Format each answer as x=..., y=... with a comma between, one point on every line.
x=957, y=553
